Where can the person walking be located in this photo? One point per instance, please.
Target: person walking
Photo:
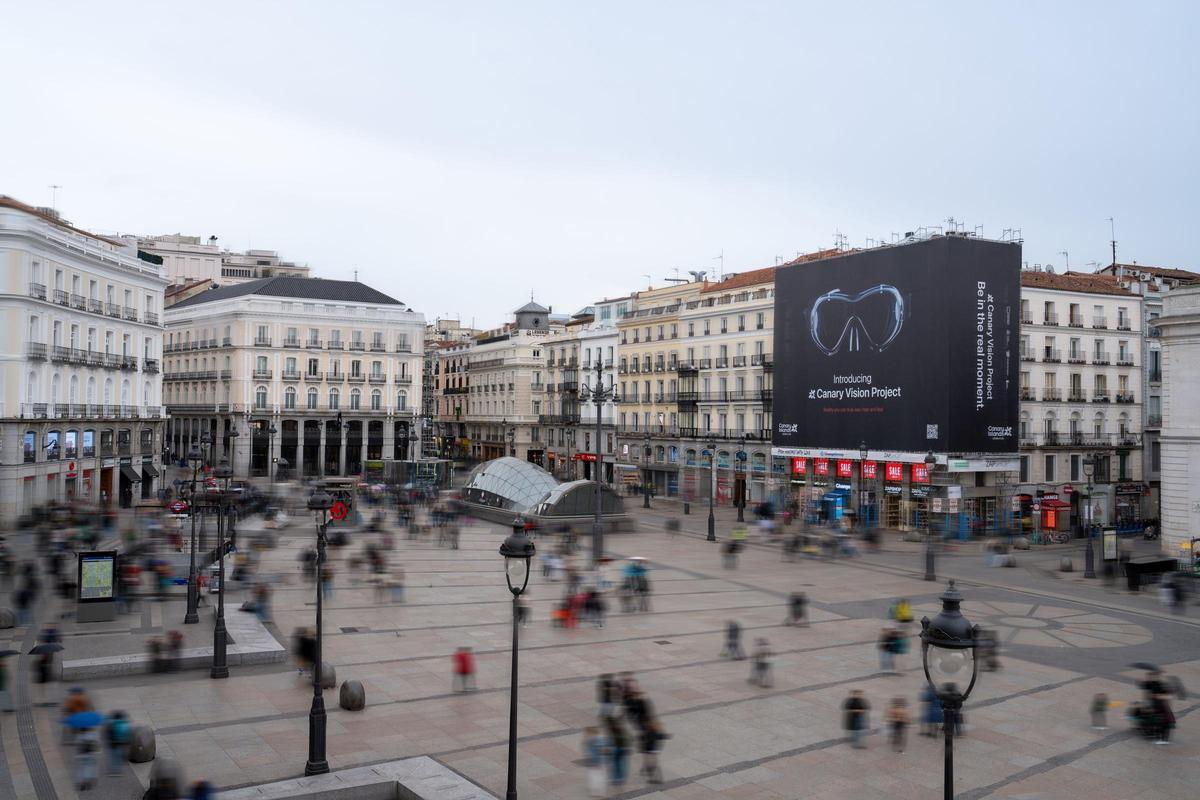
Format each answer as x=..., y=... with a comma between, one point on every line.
x=760, y=668
x=607, y=693
x=1100, y=712
x=118, y=732
x=897, y=720
x=595, y=750
x=797, y=610
x=618, y=751
x=652, y=738
x=931, y=711
x=855, y=711
x=464, y=670
x=733, y=641
x=887, y=644
x=87, y=746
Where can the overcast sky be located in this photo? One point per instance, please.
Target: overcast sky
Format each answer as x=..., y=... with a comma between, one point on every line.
x=461, y=155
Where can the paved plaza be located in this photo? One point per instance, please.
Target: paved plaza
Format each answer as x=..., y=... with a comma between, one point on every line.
x=1028, y=732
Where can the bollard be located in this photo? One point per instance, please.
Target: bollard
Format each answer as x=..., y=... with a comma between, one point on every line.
x=352, y=696
x=1065, y=565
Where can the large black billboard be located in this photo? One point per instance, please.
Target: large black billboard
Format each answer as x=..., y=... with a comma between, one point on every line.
x=907, y=348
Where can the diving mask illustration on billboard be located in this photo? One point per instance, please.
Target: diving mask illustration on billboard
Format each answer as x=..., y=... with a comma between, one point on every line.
x=872, y=319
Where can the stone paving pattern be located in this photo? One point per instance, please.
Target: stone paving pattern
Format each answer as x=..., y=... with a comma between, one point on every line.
x=1028, y=728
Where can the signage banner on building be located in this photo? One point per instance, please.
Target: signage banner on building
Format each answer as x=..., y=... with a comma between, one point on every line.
x=1012, y=464
x=821, y=466
x=844, y=485
x=800, y=466
x=867, y=469
x=920, y=473
x=845, y=468
x=918, y=491
x=911, y=347
x=893, y=471
x=893, y=490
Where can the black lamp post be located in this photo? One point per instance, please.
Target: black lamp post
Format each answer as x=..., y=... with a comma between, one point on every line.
x=271, y=431
x=599, y=394
x=711, y=446
x=196, y=459
x=233, y=437
x=220, y=668
x=862, y=482
x=740, y=482
x=206, y=446
x=319, y=501
x=930, y=573
x=517, y=550
x=646, y=483
x=948, y=653
x=1089, y=555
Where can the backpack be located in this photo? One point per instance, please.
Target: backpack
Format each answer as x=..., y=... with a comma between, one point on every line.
x=118, y=731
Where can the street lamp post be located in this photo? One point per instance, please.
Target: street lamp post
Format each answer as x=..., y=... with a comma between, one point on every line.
x=191, y=617
x=319, y=501
x=233, y=437
x=1089, y=555
x=220, y=638
x=948, y=654
x=599, y=395
x=930, y=573
x=517, y=550
x=646, y=483
x=740, y=482
x=862, y=482
x=271, y=431
x=711, y=446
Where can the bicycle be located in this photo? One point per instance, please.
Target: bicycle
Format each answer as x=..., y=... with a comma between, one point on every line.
x=1059, y=537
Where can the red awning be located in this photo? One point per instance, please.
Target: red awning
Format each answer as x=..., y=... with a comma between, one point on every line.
x=1053, y=503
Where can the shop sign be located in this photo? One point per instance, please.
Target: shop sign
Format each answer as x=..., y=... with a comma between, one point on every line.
x=918, y=491
x=821, y=466
x=1068, y=489
x=893, y=471
x=894, y=491
x=842, y=485
x=1129, y=488
x=920, y=473
x=983, y=464
x=585, y=457
x=845, y=468
x=952, y=505
x=868, y=469
x=108, y=462
x=1016, y=504
x=800, y=466
x=935, y=505
x=954, y=491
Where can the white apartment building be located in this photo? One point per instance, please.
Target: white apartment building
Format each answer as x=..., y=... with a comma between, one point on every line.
x=1081, y=394
x=1179, y=329
x=80, y=397
x=190, y=258
x=320, y=376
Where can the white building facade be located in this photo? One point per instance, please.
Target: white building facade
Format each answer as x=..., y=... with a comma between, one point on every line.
x=192, y=258
x=80, y=397
x=1180, y=337
x=318, y=377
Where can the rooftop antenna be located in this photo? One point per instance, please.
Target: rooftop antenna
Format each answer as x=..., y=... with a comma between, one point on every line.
x=54, y=187
x=721, y=258
x=1066, y=259
x=649, y=283
x=356, y=276
x=1112, y=232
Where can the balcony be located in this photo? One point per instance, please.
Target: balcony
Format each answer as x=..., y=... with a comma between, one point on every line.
x=1077, y=396
x=1076, y=358
x=1026, y=319
x=260, y=341
x=335, y=345
x=95, y=306
x=1124, y=361
x=565, y=386
x=111, y=361
x=537, y=387
x=706, y=363
x=290, y=375
x=1123, y=325
x=1075, y=321
x=1125, y=398
x=78, y=302
x=37, y=291
x=404, y=380
x=312, y=377
x=376, y=378
x=60, y=353
x=722, y=362
x=62, y=298
x=36, y=350
x=335, y=377
x=1100, y=396
x=739, y=361
x=1050, y=318
x=129, y=314
x=129, y=362
x=1028, y=354
x=1155, y=376
x=1100, y=322
x=263, y=374
x=688, y=367
x=112, y=310
x=313, y=344
x=1052, y=395
x=290, y=342
x=1028, y=393
x=1100, y=358
x=357, y=347
x=1154, y=421
x=558, y=419
x=635, y=368
x=150, y=365
x=1051, y=356
x=660, y=366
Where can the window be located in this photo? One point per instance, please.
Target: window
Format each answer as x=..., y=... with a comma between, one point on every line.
x=707, y=328
x=355, y=399
x=691, y=329
x=260, y=365
x=313, y=366
x=289, y=398
x=724, y=324
x=292, y=335
x=334, y=399
x=355, y=368
x=760, y=320
x=289, y=365
x=30, y=447
x=376, y=399
x=741, y=322
x=312, y=399
x=1075, y=462
x=260, y=397
x=1049, y=468
x=402, y=401
x=1155, y=455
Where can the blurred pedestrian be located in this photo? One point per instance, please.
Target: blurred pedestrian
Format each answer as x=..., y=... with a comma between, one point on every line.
x=43, y=676
x=855, y=711
x=607, y=695
x=87, y=748
x=595, y=750
x=262, y=601
x=202, y=790
x=760, y=667
x=733, y=641
x=618, y=751
x=931, y=711
x=464, y=670
x=729, y=552
x=1100, y=712
x=887, y=651
x=797, y=610
x=117, y=732
x=897, y=720
x=6, y=703
x=327, y=581
x=652, y=737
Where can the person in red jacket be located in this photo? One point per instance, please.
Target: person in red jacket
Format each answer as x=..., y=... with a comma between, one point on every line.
x=464, y=670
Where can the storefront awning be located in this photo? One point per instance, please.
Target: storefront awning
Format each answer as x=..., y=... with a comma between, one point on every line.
x=1050, y=502
x=148, y=469
x=130, y=474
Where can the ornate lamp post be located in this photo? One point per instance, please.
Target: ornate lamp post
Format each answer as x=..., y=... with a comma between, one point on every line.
x=517, y=550
x=862, y=482
x=271, y=431
x=196, y=459
x=646, y=482
x=1089, y=555
x=930, y=573
x=220, y=639
x=711, y=446
x=599, y=394
x=233, y=437
x=740, y=458
x=948, y=647
x=318, y=502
